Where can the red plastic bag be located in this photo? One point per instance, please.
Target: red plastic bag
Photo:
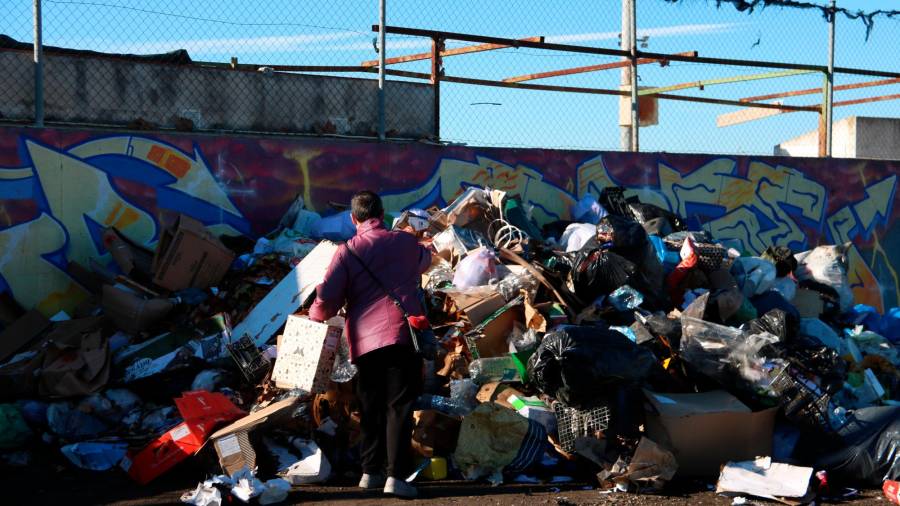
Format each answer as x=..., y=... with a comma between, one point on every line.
x=892, y=491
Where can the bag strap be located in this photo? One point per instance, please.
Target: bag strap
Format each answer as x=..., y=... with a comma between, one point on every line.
x=389, y=293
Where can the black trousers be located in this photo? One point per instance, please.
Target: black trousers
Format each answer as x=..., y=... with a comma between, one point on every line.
x=389, y=381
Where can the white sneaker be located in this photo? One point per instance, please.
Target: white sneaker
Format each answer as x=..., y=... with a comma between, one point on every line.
x=400, y=488
x=371, y=481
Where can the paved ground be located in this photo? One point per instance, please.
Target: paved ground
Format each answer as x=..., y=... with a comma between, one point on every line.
x=62, y=486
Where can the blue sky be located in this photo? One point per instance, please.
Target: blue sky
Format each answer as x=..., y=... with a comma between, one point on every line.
x=338, y=33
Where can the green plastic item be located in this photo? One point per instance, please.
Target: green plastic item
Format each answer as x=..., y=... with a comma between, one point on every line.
x=13, y=429
x=520, y=359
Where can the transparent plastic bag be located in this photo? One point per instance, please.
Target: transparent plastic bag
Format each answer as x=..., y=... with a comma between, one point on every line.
x=827, y=265
x=477, y=269
x=512, y=285
x=717, y=350
x=343, y=371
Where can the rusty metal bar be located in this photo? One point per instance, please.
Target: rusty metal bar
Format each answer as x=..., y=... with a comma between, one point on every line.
x=501, y=41
x=813, y=91
x=448, y=52
x=600, y=91
x=867, y=100
x=589, y=68
x=724, y=80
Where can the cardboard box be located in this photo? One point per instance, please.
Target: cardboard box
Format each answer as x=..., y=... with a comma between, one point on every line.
x=163, y=453
x=434, y=433
x=202, y=412
x=488, y=339
x=704, y=431
x=189, y=256
x=232, y=443
x=476, y=308
x=306, y=354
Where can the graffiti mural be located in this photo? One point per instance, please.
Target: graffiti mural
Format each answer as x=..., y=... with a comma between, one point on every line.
x=60, y=188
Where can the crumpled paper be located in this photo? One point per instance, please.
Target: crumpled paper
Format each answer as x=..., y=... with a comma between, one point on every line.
x=244, y=485
x=649, y=468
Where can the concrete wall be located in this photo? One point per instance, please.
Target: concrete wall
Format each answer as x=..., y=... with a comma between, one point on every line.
x=59, y=188
x=113, y=92
x=852, y=137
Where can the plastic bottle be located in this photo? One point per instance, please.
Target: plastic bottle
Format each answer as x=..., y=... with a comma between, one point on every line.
x=486, y=370
x=445, y=405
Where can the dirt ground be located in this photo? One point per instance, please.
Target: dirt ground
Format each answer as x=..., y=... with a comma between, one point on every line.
x=62, y=486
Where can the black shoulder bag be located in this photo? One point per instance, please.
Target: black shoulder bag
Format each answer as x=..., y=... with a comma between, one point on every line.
x=423, y=341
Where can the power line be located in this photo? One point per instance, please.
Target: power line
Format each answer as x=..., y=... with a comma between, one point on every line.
x=197, y=18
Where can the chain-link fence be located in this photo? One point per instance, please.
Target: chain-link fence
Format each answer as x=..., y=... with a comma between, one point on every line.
x=311, y=68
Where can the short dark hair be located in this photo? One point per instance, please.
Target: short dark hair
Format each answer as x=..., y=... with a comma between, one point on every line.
x=366, y=205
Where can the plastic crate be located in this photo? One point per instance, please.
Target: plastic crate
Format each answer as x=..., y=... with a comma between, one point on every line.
x=574, y=423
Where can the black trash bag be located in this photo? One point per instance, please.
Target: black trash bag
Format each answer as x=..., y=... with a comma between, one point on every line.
x=612, y=198
x=658, y=226
x=769, y=300
x=867, y=451
x=623, y=236
x=662, y=326
x=777, y=322
x=783, y=258
x=596, y=272
x=580, y=365
x=643, y=213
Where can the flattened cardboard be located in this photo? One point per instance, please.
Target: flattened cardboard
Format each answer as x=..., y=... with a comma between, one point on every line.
x=232, y=443
x=704, y=431
x=272, y=312
x=76, y=369
x=477, y=308
x=187, y=255
x=132, y=313
x=21, y=333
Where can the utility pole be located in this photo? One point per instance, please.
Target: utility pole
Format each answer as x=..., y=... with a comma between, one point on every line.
x=635, y=113
x=829, y=83
x=626, y=43
x=38, y=66
x=382, y=50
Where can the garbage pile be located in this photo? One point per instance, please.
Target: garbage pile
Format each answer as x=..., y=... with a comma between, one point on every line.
x=619, y=348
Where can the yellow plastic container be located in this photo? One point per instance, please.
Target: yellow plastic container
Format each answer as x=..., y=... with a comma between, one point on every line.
x=436, y=470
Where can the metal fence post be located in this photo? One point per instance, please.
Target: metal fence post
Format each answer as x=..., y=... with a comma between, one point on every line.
x=829, y=81
x=381, y=70
x=635, y=113
x=437, y=45
x=627, y=35
x=38, y=67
